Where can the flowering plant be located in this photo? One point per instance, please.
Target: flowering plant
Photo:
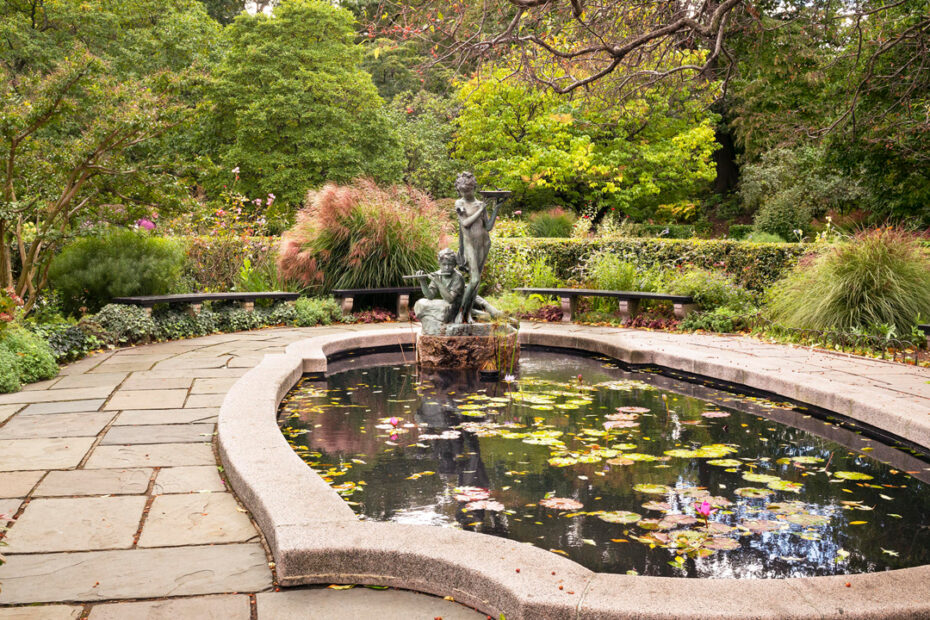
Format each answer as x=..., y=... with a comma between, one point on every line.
x=10, y=302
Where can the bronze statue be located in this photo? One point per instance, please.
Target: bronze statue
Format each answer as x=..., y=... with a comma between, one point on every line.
x=474, y=237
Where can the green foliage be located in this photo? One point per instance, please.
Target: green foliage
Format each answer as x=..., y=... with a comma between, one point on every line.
x=264, y=277
x=310, y=311
x=593, y=152
x=763, y=237
x=424, y=124
x=878, y=278
x=67, y=342
x=516, y=304
x=86, y=95
x=555, y=222
x=723, y=320
x=125, y=324
x=10, y=304
x=24, y=358
x=710, y=289
x=787, y=188
x=752, y=265
x=215, y=263
x=508, y=227
x=608, y=271
x=542, y=274
x=362, y=236
x=92, y=270
x=739, y=231
x=292, y=110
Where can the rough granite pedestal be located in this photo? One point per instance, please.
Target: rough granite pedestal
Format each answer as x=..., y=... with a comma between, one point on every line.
x=480, y=346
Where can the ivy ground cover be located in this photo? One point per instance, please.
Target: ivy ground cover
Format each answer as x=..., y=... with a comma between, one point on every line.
x=619, y=471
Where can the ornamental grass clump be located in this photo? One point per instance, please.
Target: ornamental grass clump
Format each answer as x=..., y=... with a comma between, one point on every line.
x=879, y=277
x=362, y=236
x=556, y=222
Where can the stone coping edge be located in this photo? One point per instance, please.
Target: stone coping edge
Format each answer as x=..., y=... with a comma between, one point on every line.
x=316, y=538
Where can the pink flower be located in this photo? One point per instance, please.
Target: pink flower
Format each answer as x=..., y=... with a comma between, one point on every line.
x=146, y=224
x=394, y=421
x=221, y=213
x=518, y=212
x=705, y=509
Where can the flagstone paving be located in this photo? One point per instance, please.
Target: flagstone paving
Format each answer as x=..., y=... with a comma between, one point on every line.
x=110, y=475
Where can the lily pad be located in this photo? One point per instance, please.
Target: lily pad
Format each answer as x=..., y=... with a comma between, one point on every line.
x=725, y=463
x=722, y=544
x=654, y=505
x=652, y=489
x=561, y=503
x=620, y=516
x=851, y=475
x=807, y=460
x=715, y=414
x=786, y=508
x=484, y=504
x=620, y=461
x=759, y=526
x=562, y=461
x=805, y=519
x=470, y=494
x=753, y=492
x=785, y=485
x=751, y=476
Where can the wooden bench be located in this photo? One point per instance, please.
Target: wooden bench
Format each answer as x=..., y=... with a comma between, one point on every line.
x=348, y=295
x=925, y=328
x=629, y=300
x=196, y=299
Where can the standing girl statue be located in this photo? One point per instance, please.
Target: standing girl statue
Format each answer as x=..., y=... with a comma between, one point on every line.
x=474, y=238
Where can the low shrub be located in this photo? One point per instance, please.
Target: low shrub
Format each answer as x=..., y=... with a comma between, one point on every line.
x=879, y=277
x=507, y=227
x=739, y=231
x=362, y=236
x=710, y=289
x=722, y=320
x=215, y=263
x=10, y=303
x=174, y=325
x=759, y=236
x=607, y=271
x=125, y=324
x=89, y=272
x=754, y=266
x=24, y=358
x=68, y=342
x=264, y=276
x=310, y=311
x=555, y=222
x=517, y=304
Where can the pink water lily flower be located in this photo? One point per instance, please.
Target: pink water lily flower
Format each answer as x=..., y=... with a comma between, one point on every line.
x=705, y=509
x=393, y=421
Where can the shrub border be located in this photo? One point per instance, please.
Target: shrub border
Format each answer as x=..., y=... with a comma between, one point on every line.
x=316, y=538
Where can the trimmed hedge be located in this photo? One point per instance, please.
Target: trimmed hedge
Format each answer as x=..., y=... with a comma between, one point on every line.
x=755, y=266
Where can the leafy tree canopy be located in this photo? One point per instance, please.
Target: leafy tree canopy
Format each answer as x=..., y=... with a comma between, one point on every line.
x=291, y=107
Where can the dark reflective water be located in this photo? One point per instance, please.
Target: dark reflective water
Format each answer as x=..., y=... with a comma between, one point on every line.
x=554, y=459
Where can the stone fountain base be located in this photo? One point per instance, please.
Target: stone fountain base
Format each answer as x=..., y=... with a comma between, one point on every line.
x=480, y=346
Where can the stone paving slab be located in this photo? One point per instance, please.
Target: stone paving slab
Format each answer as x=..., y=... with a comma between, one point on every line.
x=223, y=607
x=188, y=480
x=147, y=399
x=72, y=406
x=76, y=524
x=159, y=433
x=138, y=382
x=95, y=482
x=166, y=416
x=325, y=604
x=8, y=508
x=56, y=453
x=199, y=401
x=8, y=410
x=44, y=612
x=104, y=379
x=124, y=365
x=18, y=483
x=47, y=396
x=193, y=519
x=196, y=362
x=212, y=386
x=43, y=385
x=151, y=455
x=59, y=425
x=135, y=573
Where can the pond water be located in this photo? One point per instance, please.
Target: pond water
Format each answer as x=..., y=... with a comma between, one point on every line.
x=624, y=472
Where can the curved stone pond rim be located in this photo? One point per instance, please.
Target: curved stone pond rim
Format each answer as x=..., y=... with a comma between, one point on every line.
x=316, y=538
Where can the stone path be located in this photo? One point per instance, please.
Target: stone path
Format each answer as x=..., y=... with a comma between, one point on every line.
x=110, y=474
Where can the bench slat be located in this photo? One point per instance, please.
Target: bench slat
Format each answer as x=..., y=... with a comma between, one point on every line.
x=404, y=290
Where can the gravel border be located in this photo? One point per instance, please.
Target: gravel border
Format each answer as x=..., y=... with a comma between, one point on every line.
x=316, y=538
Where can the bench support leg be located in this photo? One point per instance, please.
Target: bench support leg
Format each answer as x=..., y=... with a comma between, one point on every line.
x=346, y=305
x=629, y=308
x=248, y=306
x=148, y=310
x=568, y=308
x=403, y=307
x=194, y=309
x=682, y=310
